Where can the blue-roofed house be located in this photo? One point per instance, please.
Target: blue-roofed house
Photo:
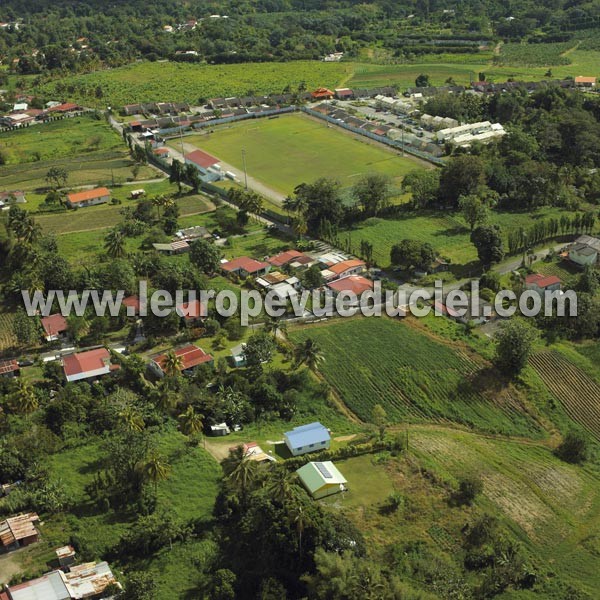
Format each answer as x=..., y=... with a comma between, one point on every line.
x=307, y=438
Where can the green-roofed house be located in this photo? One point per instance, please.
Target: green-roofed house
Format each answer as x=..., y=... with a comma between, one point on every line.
x=321, y=479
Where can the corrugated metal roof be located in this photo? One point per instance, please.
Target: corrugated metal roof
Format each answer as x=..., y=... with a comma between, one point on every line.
x=305, y=435
x=315, y=475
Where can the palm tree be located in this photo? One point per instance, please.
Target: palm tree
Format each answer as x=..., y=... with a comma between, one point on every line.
x=161, y=201
x=190, y=422
x=165, y=399
x=131, y=419
x=274, y=324
x=23, y=400
x=155, y=469
x=114, y=243
x=299, y=226
x=30, y=231
x=241, y=472
x=300, y=520
x=309, y=353
x=280, y=485
x=173, y=364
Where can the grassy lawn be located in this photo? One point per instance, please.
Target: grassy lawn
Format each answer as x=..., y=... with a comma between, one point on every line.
x=447, y=233
x=102, y=216
x=88, y=148
x=292, y=149
x=465, y=68
x=414, y=376
x=59, y=139
x=95, y=168
x=368, y=483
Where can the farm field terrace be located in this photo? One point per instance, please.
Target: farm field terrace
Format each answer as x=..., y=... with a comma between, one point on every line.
x=86, y=147
x=416, y=377
x=293, y=149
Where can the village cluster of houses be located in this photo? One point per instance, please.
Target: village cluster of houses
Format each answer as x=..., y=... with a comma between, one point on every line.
x=68, y=581
x=23, y=115
x=320, y=479
x=379, y=129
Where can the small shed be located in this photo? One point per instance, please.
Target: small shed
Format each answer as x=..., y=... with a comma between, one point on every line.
x=65, y=556
x=321, y=479
x=220, y=430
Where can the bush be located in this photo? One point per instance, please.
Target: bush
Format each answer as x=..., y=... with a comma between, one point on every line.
x=574, y=448
x=469, y=488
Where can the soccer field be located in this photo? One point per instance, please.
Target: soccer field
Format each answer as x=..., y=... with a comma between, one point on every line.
x=293, y=149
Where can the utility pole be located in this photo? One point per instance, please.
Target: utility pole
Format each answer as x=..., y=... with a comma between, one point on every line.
x=245, y=171
x=181, y=140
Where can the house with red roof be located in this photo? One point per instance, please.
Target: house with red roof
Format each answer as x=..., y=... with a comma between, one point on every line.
x=588, y=82
x=355, y=284
x=55, y=327
x=132, y=305
x=88, y=197
x=191, y=357
x=88, y=365
x=244, y=266
x=322, y=94
x=207, y=165
x=192, y=311
x=66, y=107
x=542, y=283
x=9, y=368
x=162, y=152
x=345, y=268
x=284, y=258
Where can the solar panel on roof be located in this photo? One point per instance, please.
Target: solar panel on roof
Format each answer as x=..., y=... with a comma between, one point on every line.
x=324, y=471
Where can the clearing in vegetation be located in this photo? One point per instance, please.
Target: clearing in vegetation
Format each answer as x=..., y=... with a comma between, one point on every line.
x=578, y=393
x=415, y=377
x=293, y=149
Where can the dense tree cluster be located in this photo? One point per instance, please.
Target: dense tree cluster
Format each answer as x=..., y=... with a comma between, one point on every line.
x=84, y=35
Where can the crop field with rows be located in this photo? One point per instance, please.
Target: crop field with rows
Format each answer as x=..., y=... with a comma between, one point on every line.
x=535, y=55
x=415, y=377
x=578, y=393
x=182, y=82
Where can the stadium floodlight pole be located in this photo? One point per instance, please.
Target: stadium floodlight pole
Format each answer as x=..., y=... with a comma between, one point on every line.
x=245, y=171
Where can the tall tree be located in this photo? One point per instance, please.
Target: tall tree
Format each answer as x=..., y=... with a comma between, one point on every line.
x=373, y=193
x=191, y=422
x=205, y=255
x=514, y=344
x=114, y=243
x=488, y=241
x=23, y=399
x=309, y=353
x=473, y=210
